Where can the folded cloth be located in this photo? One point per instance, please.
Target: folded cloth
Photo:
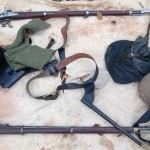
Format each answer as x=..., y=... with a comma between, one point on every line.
x=128, y=61
x=20, y=54
x=7, y=75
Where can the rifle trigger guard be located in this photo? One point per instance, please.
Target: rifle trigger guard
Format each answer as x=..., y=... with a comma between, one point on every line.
x=86, y=14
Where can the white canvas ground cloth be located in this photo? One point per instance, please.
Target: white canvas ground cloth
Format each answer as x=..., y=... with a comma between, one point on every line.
x=92, y=36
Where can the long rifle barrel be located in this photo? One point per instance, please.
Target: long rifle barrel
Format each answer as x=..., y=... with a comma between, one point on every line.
x=8, y=14
x=6, y=129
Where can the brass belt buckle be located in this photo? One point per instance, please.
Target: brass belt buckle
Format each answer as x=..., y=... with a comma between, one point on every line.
x=44, y=97
x=63, y=74
x=64, y=77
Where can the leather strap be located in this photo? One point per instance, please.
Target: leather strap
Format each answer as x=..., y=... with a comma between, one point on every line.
x=61, y=50
x=64, y=28
x=53, y=70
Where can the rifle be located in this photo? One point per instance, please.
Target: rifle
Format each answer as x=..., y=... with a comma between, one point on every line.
x=9, y=15
x=6, y=129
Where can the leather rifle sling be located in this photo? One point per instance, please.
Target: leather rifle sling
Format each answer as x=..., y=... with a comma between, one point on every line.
x=53, y=70
x=64, y=28
x=61, y=50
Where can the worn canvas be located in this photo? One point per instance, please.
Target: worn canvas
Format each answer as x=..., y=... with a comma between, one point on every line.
x=92, y=36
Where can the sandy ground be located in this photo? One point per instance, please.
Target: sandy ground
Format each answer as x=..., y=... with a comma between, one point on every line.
x=92, y=36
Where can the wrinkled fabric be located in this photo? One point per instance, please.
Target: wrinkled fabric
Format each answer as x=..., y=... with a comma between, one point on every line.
x=7, y=75
x=22, y=55
x=124, y=69
x=144, y=89
x=140, y=46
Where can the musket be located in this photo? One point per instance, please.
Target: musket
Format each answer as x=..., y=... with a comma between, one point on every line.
x=9, y=15
x=6, y=129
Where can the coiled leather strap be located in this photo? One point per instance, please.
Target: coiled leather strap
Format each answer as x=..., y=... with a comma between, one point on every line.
x=53, y=70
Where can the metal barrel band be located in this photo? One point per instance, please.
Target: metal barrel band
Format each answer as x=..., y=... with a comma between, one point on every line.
x=71, y=131
x=136, y=130
x=21, y=131
x=86, y=14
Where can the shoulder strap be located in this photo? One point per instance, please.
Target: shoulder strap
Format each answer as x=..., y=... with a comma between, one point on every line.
x=64, y=28
x=61, y=50
x=54, y=69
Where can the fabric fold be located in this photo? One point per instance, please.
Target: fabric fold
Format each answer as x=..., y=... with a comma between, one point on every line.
x=128, y=61
x=21, y=54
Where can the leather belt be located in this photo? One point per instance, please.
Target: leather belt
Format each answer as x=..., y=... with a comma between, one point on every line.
x=55, y=69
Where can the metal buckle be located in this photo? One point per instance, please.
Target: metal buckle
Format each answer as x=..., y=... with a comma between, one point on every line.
x=131, y=55
x=51, y=42
x=63, y=73
x=65, y=76
x=44, y=97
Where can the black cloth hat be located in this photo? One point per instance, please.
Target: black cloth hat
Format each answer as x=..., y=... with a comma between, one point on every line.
x=128, y=61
